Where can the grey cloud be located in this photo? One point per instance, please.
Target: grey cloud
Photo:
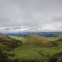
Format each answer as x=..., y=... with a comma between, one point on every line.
x=57, y=19
x=30, y=12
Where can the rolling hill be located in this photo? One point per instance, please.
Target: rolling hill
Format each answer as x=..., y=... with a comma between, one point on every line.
x=35, y=41
x=10, y=42
x=32, y=48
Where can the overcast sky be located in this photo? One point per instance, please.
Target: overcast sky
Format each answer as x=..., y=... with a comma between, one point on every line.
x=46, y=14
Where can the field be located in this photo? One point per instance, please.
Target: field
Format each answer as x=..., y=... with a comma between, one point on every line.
x=34, y=48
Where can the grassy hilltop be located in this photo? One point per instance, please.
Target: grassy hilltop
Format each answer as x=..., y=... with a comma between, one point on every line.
x=32, y=48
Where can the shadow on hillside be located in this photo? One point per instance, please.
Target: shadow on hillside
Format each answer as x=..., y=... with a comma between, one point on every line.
x=56, y=57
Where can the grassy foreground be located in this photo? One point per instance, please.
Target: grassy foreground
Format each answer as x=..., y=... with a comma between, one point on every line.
x=32, y=48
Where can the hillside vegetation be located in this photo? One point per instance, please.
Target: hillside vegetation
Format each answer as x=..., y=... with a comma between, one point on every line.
x=32, y=48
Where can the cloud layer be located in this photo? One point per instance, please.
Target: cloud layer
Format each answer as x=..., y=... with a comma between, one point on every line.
x=45, y=14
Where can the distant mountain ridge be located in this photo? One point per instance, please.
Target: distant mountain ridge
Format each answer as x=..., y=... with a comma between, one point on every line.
x=23, y=31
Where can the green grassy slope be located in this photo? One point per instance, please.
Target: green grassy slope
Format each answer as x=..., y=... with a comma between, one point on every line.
x=33, y=48
x=35, y=41
x=9, y=42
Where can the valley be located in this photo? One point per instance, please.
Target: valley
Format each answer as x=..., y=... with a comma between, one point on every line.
x=30, y=48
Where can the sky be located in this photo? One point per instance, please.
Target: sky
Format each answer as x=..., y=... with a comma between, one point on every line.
x=43, y=14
